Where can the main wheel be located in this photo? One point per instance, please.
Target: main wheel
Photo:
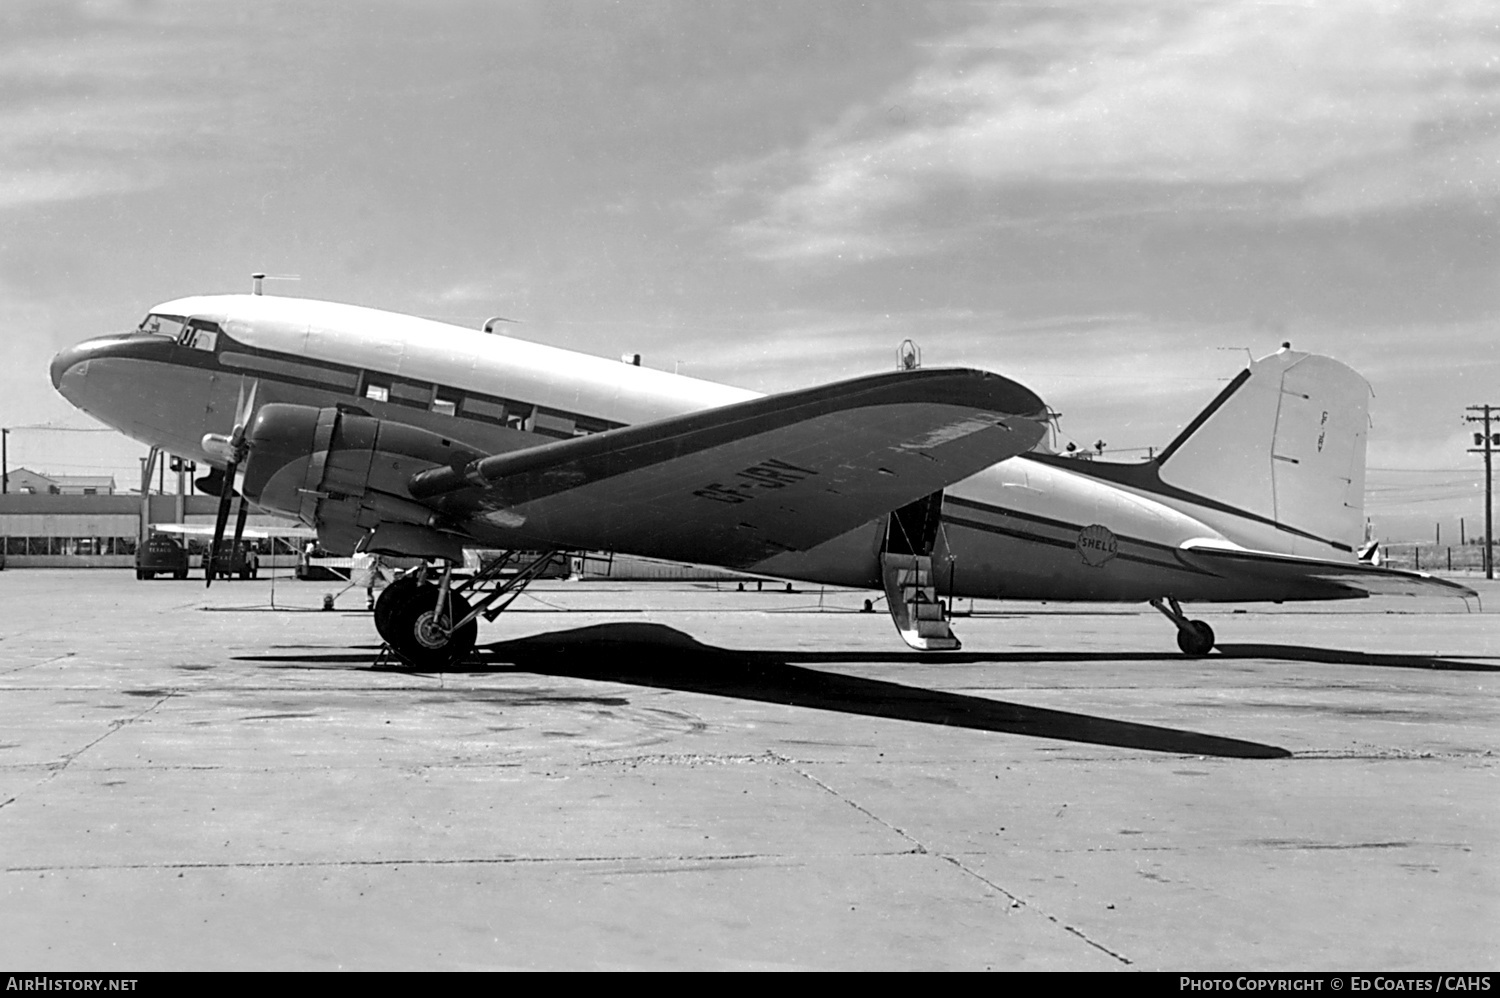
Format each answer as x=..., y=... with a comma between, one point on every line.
x=421, y=636
x=1197, y=641
x=394, y=595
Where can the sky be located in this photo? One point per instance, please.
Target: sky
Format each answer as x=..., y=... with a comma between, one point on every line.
x=1114, y=203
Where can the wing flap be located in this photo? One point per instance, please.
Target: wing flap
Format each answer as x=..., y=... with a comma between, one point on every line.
x=736, y=484
x=1355, y=578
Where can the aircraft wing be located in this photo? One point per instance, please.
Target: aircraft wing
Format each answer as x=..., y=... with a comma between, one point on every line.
x=1355, y=578
x=736, y=484
x=250, y=533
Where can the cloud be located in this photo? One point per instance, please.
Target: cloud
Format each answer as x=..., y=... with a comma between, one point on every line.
x=113, y=98
x=1310, y=108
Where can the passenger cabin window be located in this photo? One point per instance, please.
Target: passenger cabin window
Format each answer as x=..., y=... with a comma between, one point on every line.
x=418, y=396
x=486, y=410
x=551, y=423
x=584, y=425
x=518, y=417
x=378, y=391
x=444, y=403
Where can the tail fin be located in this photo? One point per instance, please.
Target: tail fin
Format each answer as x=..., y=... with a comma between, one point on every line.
x=1285, y=440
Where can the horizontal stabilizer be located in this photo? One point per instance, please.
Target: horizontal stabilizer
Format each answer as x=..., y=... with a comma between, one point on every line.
x=1356, y=578
x=736, y=484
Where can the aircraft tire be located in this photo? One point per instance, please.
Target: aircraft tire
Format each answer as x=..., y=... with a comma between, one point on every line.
x=394, y=595
x=412, y=637
x=148, y=575
x=1197, y=643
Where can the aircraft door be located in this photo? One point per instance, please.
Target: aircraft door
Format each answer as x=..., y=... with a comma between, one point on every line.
x=913, y=529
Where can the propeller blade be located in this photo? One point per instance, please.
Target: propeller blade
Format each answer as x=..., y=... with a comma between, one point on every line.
x=244, y=410
x=226, y=496
x=239, y=524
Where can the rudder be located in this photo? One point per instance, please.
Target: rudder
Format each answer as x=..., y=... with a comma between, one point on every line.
x=1284, y=441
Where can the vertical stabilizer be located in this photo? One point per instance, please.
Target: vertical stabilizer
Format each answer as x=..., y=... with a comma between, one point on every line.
x=1284, y=441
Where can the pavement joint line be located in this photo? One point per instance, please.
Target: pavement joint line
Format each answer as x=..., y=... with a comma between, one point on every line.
x=34, y=665
x=689, y=759
x=1045, y=914
x=150, y=767
x=457, y=861
x=920, y=848
x=58, y=768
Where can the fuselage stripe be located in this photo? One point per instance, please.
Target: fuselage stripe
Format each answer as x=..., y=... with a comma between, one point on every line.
x=1047, y=521
x=1024, y=535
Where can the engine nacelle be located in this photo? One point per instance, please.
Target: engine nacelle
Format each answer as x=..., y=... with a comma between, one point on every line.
x=345, y=474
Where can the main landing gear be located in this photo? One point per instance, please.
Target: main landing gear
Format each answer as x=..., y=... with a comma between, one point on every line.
x=1194, y=637
x=427, y=619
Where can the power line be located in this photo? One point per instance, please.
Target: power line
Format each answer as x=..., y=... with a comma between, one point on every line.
x=1424, y=471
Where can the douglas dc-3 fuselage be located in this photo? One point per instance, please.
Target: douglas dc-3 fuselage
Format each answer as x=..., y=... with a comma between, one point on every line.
x=395, y=434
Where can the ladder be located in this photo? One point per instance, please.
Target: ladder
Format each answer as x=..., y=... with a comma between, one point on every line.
x=920, y=617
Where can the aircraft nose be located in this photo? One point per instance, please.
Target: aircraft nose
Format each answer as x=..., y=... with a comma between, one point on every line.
x=70, y=365
x=70, y=368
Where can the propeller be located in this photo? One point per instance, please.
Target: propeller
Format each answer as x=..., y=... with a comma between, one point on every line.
x=233, y=450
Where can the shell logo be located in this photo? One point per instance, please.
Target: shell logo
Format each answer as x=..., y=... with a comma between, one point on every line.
x=1097, y=545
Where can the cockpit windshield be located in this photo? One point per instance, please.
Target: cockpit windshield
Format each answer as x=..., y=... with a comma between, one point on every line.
x=169, y=326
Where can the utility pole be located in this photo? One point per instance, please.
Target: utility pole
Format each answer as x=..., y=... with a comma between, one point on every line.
x=4, y=462
x=1485, y=444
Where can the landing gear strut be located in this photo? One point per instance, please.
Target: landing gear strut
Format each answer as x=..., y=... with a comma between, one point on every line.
x=430, y=624
x=1194, y=637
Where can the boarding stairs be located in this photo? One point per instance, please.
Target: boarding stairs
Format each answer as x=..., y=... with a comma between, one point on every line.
x=920, y=617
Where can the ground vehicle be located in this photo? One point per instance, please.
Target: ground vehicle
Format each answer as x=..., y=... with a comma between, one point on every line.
x=161, y=554
x=242, y=560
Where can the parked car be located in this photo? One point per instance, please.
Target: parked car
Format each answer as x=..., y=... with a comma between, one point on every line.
x=242, y=561
x=161, y=554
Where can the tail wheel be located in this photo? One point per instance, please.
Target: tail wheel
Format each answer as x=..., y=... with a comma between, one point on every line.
x=421, y=635
x=1197, y=640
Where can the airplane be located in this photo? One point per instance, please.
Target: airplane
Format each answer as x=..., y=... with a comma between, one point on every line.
x=401, y=435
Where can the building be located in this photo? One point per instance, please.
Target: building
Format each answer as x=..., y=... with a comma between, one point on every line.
x=53, y=530
x=25, y=482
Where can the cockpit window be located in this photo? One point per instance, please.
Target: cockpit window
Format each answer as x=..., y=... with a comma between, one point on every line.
x=200, y=334
x=169, y=326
